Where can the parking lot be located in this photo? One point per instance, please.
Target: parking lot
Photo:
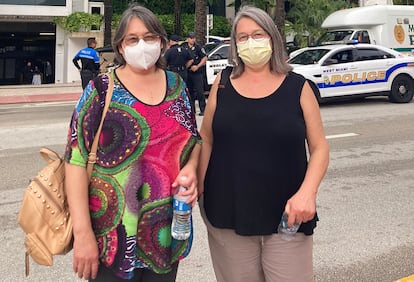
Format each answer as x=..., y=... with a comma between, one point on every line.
x=365, y=201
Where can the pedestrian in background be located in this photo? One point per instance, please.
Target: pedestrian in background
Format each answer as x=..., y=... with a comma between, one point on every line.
x=195, y=75
x=48, y=72
x=178, y=58
x=37, y=76
x=90, y=62
x=259, y=123
x=149, y=145
x=28, y=73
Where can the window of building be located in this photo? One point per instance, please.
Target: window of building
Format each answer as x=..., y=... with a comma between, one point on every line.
x=96, y=9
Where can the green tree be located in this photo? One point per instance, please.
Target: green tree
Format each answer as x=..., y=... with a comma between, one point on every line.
x=177, y=17
x=277, y=12
x=403, y=2
x=306, y=16
x=275, y=8
x=107, y=22
x=200, y=19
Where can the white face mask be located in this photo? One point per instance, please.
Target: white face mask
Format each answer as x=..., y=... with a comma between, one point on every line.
x=255, y=52
x=143, y=55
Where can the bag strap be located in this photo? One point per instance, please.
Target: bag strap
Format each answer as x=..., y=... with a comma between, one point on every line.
x=224, y=77
x=49, y=155
x=94, y=149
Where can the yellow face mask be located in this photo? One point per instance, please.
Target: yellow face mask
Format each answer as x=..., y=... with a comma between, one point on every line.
x=255, y=52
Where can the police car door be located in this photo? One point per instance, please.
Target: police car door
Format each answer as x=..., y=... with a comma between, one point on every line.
x=372, y=64
x=217, y=60
x=338, y=72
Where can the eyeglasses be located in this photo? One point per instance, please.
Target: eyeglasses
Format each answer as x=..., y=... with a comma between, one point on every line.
x=149, y=38
x=257, y=36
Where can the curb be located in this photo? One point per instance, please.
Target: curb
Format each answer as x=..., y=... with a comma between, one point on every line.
x=38, y=98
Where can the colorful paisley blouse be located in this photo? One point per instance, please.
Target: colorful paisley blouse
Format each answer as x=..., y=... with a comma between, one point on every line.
x=141, y=150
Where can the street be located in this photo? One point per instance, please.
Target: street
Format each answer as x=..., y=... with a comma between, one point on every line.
x=365, y=203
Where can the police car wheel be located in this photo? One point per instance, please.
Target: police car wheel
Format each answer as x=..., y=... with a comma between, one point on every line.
x=402, y=89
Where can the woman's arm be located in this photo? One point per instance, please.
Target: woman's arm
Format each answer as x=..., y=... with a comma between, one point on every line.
x=85, y=248
x=206, y=133
x=187, y=176
x=302, y=206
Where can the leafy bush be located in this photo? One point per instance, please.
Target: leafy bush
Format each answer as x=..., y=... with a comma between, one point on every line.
x=221, y=26
x=78, y=21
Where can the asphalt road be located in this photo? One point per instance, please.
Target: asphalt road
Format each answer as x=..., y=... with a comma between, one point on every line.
x=365, y=203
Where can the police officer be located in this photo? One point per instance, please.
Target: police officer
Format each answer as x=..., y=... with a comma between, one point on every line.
x=195, y=75
x=178, y=58
x=90, y=62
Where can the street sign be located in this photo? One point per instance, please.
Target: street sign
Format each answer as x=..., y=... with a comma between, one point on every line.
x=210, y=21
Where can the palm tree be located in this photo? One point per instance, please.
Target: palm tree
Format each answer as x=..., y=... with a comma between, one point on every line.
x=276, y=9
x=200, y=20
x=108, y=22
x=177, y=17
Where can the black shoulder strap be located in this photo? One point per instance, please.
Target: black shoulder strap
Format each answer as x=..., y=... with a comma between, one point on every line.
x=225, y=75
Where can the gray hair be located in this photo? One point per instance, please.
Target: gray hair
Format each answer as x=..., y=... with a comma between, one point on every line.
x=277, y=60
x=151, y=23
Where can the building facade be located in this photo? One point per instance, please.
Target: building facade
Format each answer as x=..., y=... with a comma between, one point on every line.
x=28, y=34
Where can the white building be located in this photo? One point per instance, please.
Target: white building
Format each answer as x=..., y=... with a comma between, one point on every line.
x=28, y=33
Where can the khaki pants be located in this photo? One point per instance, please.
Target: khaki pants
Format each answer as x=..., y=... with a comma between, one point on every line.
x=259, y=258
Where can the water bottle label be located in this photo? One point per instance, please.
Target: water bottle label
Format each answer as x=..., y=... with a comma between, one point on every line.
x=284, y=227
x=181, y=206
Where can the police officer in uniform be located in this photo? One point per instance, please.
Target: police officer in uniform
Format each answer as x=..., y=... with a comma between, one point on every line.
x=195, y=75
x=178, y=58
x=90, y=62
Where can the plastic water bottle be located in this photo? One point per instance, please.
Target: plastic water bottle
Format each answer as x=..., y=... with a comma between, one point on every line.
x=181, y=222
x=287, y=233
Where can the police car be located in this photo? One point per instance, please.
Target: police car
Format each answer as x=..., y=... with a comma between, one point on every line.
x=217, y=60
x=346, y=71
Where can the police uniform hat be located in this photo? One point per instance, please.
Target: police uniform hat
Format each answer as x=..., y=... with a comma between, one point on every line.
x=175, y=38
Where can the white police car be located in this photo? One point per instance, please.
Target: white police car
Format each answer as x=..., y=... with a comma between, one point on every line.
x=348, y=71
x=217, y=60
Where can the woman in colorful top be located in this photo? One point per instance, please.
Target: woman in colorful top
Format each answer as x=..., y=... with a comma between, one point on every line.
x=260, y=121
x=149, y=141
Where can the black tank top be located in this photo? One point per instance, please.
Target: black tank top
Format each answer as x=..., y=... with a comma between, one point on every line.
x=258, y=160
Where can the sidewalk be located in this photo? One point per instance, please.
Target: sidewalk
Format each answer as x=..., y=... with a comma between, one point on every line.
x=15, y=94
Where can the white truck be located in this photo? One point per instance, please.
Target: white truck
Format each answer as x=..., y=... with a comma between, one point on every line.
x=391, y=26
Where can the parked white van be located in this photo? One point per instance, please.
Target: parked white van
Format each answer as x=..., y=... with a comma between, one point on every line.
x=391, y=26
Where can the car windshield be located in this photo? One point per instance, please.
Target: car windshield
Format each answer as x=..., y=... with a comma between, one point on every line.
x=334, y=36
x=308, y=57
x=219, y=53
x=210, y=46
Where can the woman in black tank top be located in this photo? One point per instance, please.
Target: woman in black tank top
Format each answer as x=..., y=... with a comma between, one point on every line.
x=260, y=121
